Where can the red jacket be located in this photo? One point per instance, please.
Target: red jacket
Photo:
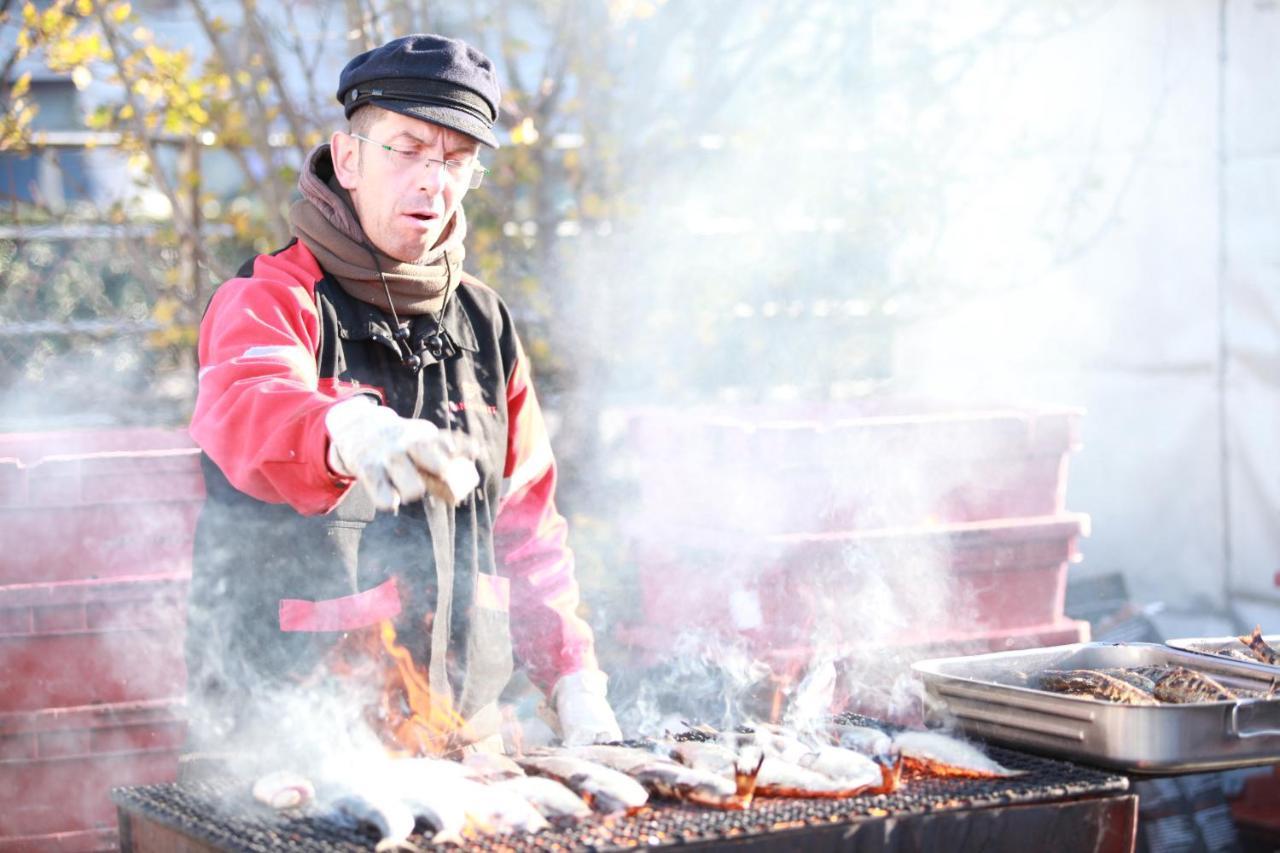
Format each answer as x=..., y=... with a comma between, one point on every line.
x=265, y=387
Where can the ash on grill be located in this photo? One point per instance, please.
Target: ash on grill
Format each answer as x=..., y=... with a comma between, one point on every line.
x=224, y=816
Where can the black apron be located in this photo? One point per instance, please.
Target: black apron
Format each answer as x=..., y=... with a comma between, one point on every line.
x=274, y=592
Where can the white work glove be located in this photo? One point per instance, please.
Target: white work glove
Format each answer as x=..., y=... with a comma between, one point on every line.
x=397, y=459
x=584, y=713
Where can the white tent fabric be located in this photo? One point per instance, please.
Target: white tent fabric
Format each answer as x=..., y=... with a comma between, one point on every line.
x=1164, y=319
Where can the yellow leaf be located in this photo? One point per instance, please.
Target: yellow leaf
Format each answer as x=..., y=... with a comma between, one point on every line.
x=165, y=311
x=126, y=112
x=20, y=86
x=121, y=12
x=524, y=133
x=84, y=8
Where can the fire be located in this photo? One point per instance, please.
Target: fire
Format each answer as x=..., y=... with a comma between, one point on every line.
x=413, y=719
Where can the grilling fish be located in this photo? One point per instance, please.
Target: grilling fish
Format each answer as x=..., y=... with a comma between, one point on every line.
x=1260, y=649
x=1091, y=682
x=392, y=818
x=498, y=810
x=940, y=755
x=825, y=772
x=284, y=789
x=604, y=789
x=549, y=797
x=865, y=739
x=436, y=792
x=668, y=778
x=769, y=739
x=706, y=755
x=853, y=769
x=490, y=766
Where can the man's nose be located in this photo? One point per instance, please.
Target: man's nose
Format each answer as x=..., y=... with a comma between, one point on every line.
x=433, y=176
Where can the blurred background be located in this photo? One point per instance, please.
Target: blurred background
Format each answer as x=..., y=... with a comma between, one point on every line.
x=796, y=268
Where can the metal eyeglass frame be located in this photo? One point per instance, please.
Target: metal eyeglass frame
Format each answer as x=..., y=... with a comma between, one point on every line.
x=477, y=171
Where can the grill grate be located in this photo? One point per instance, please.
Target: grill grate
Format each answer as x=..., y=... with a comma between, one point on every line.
x=224, y=815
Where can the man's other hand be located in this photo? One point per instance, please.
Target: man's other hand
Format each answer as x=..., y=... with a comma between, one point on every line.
x=397, y=459
x=584, y=712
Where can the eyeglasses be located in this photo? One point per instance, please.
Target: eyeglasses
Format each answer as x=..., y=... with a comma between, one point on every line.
x=468, y=171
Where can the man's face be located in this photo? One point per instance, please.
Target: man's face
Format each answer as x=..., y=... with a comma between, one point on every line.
x=403, y=204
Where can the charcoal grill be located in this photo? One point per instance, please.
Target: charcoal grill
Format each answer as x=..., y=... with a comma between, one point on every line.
x=1079, y=808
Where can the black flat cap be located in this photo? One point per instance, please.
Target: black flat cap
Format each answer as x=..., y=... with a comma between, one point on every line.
x=436, y=79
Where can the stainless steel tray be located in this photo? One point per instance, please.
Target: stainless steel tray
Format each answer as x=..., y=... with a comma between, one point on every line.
x=1213, y=645
x=981, y=696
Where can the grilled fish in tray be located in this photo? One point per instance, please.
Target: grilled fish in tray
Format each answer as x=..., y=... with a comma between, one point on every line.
x=1260, y=649
x=1095, y=683
x=1179, y=685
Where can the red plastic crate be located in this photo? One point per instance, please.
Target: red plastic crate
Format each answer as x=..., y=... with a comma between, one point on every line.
x=841, y=467
x=774, y=589
x=82, y=642
x=31, y=447
x=57, y=767
x=81, y=841
x=102, y=514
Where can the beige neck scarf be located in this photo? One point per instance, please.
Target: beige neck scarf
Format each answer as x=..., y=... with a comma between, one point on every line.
x=325, y=221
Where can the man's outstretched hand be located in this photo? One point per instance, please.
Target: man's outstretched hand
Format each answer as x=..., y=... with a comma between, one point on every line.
x=399, y=460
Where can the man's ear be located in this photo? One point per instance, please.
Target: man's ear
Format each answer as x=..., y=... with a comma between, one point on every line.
x=344, y=150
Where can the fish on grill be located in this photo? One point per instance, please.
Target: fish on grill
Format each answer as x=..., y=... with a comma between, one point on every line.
x=781, y=778
x=668, y=778
x=498, y=810
x=454, y=802
x=389, y=816
x=822, y=772
x=878, y=775
x=552, y=799
x=491, y=766
x=706, y=755
x=283, y=789
x=941, y=755
x=867, y=740
x=1097, y=684
x=1259, y=648
x=436, y=792
x=604, y=789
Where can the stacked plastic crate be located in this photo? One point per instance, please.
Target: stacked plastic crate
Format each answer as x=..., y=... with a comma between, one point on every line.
x=97, y=532
x=834, y=529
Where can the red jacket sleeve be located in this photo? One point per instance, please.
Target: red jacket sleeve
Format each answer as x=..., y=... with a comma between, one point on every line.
x=259, y=407
x=529, y=539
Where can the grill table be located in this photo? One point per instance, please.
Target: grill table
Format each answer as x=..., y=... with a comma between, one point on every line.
x=1079, y=808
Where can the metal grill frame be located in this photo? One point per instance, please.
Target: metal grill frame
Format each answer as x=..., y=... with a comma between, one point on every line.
x=224, y=816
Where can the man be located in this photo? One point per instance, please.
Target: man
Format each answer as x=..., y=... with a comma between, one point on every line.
x=373, y=445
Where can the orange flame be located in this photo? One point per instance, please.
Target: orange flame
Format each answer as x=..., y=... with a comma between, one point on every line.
x=413, y=719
